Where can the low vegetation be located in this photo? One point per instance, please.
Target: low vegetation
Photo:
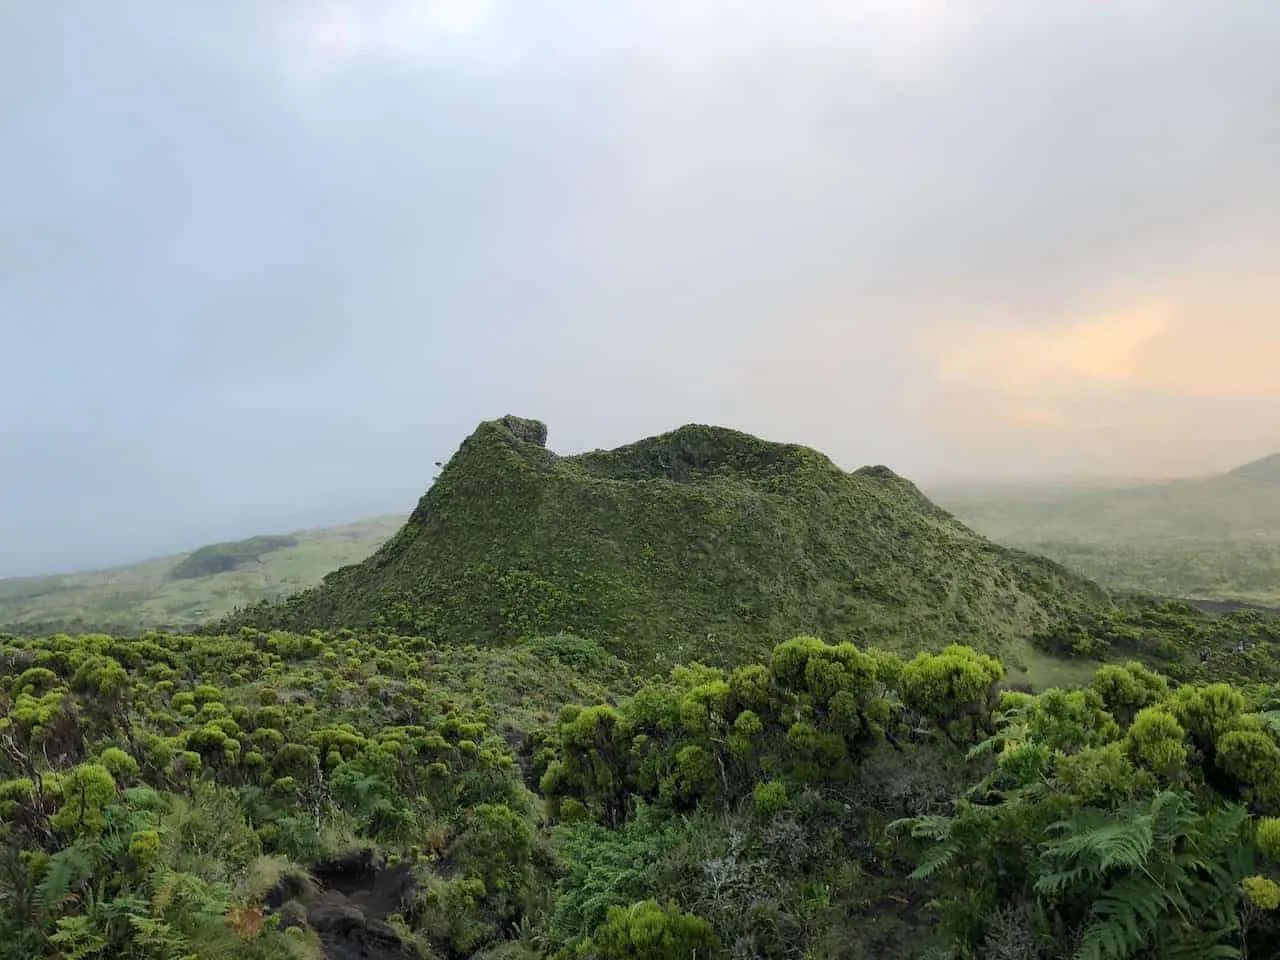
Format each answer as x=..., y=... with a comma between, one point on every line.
x=279, y=795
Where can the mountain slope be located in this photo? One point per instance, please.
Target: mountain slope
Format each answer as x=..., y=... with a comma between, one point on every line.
x=700, y=542
x=1213, y=537
x=187, y=589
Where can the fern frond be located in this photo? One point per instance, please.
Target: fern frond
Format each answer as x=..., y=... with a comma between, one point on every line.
x=1198, y=950
x=1167, y=875
x=1056, y=883
x=1099, y=848
x=67, y=870
x=933, y=827
x=936, y=859
x=986, y=747
x=1103, y=941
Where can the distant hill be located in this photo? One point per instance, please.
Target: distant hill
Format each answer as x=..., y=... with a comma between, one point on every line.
x=703, y=542
x=1212, y=537
x=1265, y=471
x=225, y=557
x=187, y=589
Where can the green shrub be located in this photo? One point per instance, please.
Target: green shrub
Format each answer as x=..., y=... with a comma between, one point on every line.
x=1155, y=741
x=647, y=931
x=119, y=764
x=770, y=798
x=86, y=791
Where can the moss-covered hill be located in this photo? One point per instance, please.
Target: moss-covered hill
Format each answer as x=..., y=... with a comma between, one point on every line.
x=703, y=542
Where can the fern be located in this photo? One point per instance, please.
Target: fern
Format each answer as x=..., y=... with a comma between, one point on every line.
x=932, y=827
x=78, y=938
x=186, y=893
x=67, y=870
x=1271, y=720
x=1162, y=877
x=157, y=936
x=986, y=748
x=937, y=859
x=939, y=829
x=1094, y=848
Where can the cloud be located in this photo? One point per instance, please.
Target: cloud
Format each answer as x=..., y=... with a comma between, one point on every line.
x=1202, y=351
x=1098, y=351
x=1141, y=434
x=335, y=32
x=1227, y=350
x=894, y=39
x=1153, y=389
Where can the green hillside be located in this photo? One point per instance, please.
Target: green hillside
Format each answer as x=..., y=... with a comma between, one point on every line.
x=700, y=542
x=187, y=589
x=1214, y=537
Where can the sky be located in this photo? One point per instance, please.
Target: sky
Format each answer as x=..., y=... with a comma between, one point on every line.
x=263, y=263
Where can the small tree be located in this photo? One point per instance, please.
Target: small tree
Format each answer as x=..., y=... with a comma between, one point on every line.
x=593, y=767
x=86, y=791
x=948, y=687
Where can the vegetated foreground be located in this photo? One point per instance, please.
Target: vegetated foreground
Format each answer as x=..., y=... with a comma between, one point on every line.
x=703, y=541
x=1216, y=538
x=276, y=795
x=180, y=592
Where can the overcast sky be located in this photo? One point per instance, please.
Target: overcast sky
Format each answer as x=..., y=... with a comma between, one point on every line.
x=262, y=263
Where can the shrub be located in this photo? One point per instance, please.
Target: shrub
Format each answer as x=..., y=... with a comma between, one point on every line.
x=119, y=764
x=1155, y=740
x=1268, y=837
x=1262, y=892
x=87, y=790
x=952, y=685
x=770, y=798
x=647, y=931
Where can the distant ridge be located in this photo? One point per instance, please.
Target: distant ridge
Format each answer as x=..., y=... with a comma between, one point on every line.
x=700, y=542
x=1213, y=538
x=1266, y=470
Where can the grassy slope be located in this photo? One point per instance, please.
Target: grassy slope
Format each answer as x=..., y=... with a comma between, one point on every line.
x=1217, y=537
x=146, y=595
x=703, y=542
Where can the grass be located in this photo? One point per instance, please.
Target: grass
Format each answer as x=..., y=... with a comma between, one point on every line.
x=1042, y=670
x=163, y=593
